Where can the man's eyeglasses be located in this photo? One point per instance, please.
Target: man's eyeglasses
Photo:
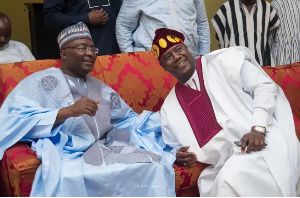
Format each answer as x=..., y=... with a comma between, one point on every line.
x=84, y=49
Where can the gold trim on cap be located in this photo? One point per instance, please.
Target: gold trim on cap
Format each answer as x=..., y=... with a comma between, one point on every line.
x=162, y=43
x=155, y=51
x=173, y=39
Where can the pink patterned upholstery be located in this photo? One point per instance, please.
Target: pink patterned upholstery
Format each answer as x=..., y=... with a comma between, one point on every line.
x=137, y=77
x=11, y=74
x=143, y=84
x=288, y=78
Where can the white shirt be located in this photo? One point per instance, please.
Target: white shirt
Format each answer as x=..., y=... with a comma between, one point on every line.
x=15, y=51
x=138, y=20
x=193, y=82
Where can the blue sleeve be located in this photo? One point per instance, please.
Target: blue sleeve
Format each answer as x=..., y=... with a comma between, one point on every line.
x=145, y=128
x=56, y=18
x=24, y=119
x=123, y=117
x=127, y=22
x=202, y=28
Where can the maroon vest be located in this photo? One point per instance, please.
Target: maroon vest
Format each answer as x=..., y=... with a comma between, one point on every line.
x=198, y=109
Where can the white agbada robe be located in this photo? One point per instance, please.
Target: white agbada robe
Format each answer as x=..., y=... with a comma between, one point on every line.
x=15, y=51
x=242, y=96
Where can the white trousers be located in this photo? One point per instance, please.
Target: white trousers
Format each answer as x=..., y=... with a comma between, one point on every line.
x=242, y=175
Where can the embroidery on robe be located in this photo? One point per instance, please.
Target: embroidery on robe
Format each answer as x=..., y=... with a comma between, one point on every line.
x=198, y=110
x=49, y=83
x=115, y=102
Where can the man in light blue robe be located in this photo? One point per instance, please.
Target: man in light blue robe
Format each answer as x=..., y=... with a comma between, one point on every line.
x=90, y=141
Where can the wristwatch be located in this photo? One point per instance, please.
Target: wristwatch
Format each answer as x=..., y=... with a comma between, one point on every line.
x=259, y=129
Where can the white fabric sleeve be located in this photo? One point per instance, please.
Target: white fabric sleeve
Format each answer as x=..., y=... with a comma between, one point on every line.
x=202, y=28
x=263, y=90
x=26, y=54
x=167, y=134
x=127, y=22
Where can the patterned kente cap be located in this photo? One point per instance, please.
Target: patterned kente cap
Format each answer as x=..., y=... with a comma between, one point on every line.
x=165, y=39
x=73, y=32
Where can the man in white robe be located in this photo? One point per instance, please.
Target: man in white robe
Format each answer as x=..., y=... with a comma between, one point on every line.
x=221, y=98
x=90, y=142
x=11, y=51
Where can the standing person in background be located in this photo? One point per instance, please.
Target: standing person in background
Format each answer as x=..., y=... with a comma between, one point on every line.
x=11, y=51
x=99, y=15
x=138, y=20
x=285, y=44
x=246, y=23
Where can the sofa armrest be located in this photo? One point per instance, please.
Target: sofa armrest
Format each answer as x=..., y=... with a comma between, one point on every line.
x=19, y=164
x=186, y=179
x=17, y=170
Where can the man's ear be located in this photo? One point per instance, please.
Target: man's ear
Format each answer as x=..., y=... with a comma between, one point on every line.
x=63, y=54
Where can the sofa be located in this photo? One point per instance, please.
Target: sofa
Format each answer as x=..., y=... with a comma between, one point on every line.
x=143, y=84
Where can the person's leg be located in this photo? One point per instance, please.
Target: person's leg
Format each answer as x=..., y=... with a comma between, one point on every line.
x=245, y=175
x=206, y=181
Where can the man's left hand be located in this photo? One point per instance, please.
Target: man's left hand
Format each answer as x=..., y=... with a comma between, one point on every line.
x=185, y=158
x=253, y=140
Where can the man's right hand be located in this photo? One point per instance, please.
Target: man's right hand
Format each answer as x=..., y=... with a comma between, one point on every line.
x=83, y=106
x=184, y=158
x=98, y=17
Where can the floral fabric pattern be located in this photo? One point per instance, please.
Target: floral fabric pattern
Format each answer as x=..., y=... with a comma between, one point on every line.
x=143, y=84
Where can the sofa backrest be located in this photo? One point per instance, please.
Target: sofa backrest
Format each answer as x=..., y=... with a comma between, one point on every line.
x=137, y=77
x=288, y=78
x=140, y=80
